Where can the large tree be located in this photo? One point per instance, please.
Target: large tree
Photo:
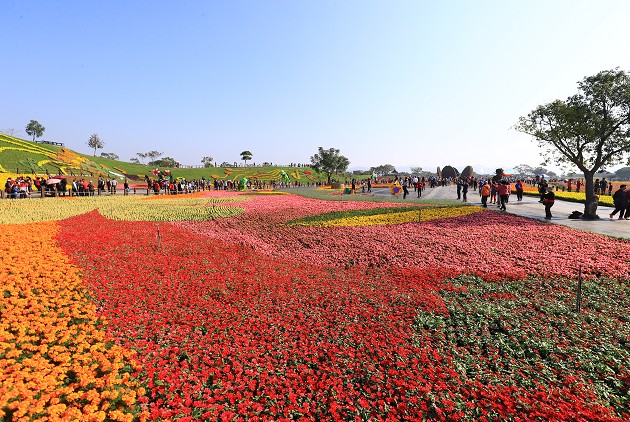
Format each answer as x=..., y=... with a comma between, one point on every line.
x=95, y=142
x=623, y=173
x=590, y=129
x=330, y=161
x=246, y=156
x=207, y=161
x=35, y=129
x=383, y=169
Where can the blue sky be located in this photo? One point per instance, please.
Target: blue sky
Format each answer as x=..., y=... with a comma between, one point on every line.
x=409, y=83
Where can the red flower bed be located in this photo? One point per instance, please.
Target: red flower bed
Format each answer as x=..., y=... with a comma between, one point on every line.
x=491, y=244
x=250, y=319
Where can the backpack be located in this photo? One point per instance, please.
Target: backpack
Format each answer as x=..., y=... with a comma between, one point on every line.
x=575, y=215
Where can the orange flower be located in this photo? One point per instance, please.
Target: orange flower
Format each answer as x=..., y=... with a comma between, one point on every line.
x=57, y=362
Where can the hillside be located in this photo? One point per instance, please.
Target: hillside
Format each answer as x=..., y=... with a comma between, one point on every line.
x=22, y=157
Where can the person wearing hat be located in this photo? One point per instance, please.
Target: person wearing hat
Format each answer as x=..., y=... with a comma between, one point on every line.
x=620, y=199
x=548, y=200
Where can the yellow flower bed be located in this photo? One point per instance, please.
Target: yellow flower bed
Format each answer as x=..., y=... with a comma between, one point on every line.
x=573, y=196
x=422, y=214
x=55, y=360
x=130, y=208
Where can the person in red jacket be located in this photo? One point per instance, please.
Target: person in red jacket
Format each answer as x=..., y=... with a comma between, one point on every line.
x=504, y=194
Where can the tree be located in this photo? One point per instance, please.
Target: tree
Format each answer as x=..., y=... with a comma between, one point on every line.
x=246, y=155
x=623, y=173
x=10, y=131
x=110, y=155
x=416, y=170
x=142, y=156
x=543, y=170
x=524, y=170
x=153, y=155
x=330, y=161
x=35, y=129
x=207, y=161
x=95, y=142
x=163, y=162
x=134, y=160
x=590, y=129
x=383, y=169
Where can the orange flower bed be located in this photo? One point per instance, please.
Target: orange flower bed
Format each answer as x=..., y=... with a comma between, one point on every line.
x=56, y=362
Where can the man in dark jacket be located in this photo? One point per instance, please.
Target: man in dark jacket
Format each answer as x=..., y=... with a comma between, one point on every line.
x=620, y=199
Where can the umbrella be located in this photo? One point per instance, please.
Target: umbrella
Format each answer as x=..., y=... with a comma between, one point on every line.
x=52, y=181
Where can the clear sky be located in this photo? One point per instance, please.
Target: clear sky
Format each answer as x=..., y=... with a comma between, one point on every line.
x=408, y=83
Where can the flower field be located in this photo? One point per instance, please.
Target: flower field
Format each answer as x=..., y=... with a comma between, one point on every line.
x=292, y=308
x=605, y=200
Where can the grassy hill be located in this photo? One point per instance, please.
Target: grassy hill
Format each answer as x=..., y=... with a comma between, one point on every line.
x=22, y=157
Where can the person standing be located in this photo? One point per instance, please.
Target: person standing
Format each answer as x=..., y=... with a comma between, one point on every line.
x=504, y=194
x=548, y=200
x=542, y=188
x=405, y=186
x=519, y=190
x=419, y=187
x=620, y=199
x=459, y=189
x=485, y=193
x=464, y=191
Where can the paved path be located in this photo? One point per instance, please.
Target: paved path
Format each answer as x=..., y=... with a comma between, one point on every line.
x=530, y=207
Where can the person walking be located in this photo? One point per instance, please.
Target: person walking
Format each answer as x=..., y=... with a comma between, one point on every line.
x=620, y=199
x=493, y=192
x=504, y=194
x=519, y=190
x=485, y=193
x=548, y=200
x=405, y=185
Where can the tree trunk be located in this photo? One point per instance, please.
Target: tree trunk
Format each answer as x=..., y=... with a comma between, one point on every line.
x=590, y=207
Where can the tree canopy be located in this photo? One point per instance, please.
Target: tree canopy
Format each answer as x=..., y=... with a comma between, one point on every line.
x=383, y=169
x=164, y=162
x=207, y=161
x=35, y=129
x=95, y=142
x=330, y=161
x=590, y=129
x=110, y=155
x=623, y=173
x=246, y=156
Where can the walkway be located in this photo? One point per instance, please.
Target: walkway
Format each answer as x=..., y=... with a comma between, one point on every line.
x=530, y=207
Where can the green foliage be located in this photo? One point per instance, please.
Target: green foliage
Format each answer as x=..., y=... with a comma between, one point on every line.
x=164, y=162
x=590, y=129
x=207, y=161
x=246, y=156
x=526, y=333
x=330, y=161
x=110, y=155
x=334, y=215
x=95, y=142
x=383, y=170
x=35, y=129
x=623, y=173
